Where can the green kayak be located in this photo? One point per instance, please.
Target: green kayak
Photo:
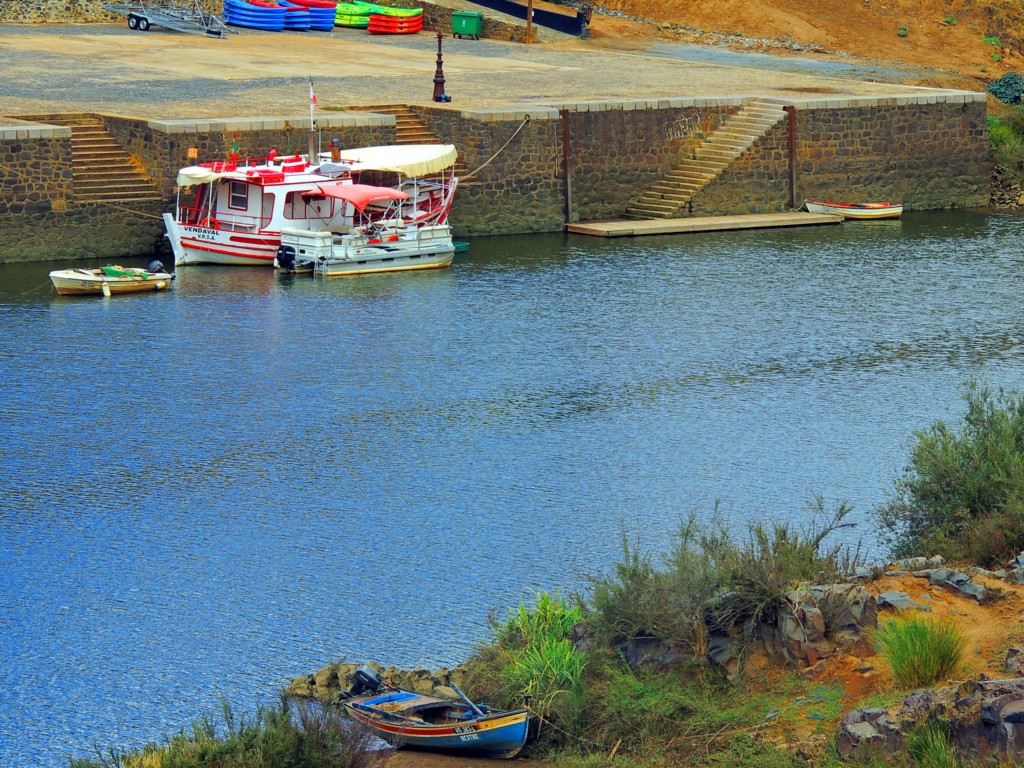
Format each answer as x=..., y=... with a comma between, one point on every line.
x=386, y=10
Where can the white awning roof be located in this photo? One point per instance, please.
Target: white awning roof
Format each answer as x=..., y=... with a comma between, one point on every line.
x=406, y=159
x=197, y=174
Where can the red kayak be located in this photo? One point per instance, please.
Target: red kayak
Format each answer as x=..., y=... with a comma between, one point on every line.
x=314, y=3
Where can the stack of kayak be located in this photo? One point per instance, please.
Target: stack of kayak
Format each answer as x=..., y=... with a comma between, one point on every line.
x=354, y=15
x=259, y=14
x=322, y=15
x=321, y=12
x=395, y=21
x=296, y=16
x=379, y=19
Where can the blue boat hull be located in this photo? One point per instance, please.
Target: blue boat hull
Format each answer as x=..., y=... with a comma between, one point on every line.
x=407, y=719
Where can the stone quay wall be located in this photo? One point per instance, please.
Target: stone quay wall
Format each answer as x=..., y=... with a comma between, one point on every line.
x=927, y=151
x=40, y=219
x=517, y=189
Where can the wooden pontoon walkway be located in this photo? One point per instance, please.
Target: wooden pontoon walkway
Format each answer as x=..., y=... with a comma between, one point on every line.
x=630, y=228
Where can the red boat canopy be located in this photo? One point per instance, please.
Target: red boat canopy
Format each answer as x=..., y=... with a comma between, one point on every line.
x=360, y=195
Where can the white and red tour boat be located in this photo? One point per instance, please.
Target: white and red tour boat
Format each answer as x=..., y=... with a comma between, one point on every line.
x=233, y=212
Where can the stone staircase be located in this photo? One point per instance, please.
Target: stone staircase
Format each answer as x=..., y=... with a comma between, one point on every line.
x=102, y=170
x=669, y=196
x=410, y=129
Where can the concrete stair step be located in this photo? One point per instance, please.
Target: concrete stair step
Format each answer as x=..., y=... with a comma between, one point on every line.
x=114, y=186
x=109, y=176
x=122, y=199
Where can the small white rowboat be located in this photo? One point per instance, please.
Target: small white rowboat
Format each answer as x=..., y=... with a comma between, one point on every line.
x=855, y=210
x=109, y=280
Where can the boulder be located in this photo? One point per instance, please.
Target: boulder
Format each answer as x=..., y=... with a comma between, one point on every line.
x=986, y=718
x=899, y=601
x=650, y=652
x=1014, y=660
x=959, y=583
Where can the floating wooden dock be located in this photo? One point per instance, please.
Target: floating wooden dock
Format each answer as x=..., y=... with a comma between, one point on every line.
x=636, y=228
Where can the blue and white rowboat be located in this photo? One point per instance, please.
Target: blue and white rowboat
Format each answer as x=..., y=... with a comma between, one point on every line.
x=404, y=718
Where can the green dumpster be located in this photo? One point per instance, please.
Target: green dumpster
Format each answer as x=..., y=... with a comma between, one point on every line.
x=467, y=24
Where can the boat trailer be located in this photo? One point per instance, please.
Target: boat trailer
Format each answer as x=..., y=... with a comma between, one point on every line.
x=170, y=14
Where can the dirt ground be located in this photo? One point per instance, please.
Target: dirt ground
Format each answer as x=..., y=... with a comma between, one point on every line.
x=943, y=35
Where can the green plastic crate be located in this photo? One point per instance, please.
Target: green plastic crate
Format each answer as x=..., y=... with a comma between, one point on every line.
x=467, y=24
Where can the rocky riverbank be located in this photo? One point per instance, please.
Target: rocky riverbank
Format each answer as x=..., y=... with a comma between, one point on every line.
x=826, y=635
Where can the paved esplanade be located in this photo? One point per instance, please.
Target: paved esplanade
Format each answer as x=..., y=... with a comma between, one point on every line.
x=161, y=74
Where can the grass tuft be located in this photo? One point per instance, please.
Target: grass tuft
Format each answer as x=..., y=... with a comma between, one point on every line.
x=921, y=651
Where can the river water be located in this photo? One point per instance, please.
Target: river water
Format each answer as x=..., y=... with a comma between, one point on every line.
x=209, y=491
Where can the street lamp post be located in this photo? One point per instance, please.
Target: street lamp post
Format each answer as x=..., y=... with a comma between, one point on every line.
x=439, y=94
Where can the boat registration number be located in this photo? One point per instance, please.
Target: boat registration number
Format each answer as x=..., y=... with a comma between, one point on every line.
x=465, y=729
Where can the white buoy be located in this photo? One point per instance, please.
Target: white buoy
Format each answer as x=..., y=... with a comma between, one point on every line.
x=106, y=290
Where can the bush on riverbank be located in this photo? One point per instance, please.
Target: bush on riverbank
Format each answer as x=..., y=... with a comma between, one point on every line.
x=712, y=582
x=291, y=735
x=962, y=495
x=1006, y=142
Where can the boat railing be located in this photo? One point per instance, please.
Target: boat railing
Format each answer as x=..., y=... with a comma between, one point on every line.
x=225, y=221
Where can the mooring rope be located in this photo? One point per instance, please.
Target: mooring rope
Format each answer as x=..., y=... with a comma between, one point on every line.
x=119, y=207
x=580, y=739
x=501, y=149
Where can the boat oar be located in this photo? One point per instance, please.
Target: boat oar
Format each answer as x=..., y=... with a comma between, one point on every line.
x=465, y=698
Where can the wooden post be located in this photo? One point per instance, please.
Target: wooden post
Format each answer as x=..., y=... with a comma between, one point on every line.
x=529, y=21
x=563, y=115
x=791, y=114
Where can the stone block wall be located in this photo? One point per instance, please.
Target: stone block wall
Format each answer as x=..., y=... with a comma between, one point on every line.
x=919, y=150
x=618, y=149
x=75, y=231
x=35, y=168
x=54, y=11
x=522, y=188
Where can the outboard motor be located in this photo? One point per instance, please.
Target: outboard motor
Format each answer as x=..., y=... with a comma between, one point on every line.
x=366, y=679
x=286, y=257
x=156, y=266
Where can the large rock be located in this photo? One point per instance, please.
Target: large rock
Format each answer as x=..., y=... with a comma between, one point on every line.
x=986, y=718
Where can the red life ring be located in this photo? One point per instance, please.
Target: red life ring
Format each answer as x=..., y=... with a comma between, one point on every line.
x=209, y=223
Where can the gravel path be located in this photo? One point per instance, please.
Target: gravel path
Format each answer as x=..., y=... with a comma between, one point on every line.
x=162, y=74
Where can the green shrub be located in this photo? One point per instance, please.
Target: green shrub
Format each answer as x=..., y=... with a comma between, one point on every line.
x=641, y=599
x=930, y=747
x=950, y=21
x=758, y=574
x=991, y=41
x=962, y=495
x=902, y=32
x=534, y=656
x=921, y=651
x=709, y=580
x=1008, y=88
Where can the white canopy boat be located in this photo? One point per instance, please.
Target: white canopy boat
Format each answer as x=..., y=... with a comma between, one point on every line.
x=381, y=240
x=238, y=209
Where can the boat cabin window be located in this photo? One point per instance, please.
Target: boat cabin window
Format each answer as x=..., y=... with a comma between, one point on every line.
x=298, y=207
x=238, y=196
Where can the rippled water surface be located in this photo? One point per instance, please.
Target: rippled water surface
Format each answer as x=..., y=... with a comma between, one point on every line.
x=209, y=491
